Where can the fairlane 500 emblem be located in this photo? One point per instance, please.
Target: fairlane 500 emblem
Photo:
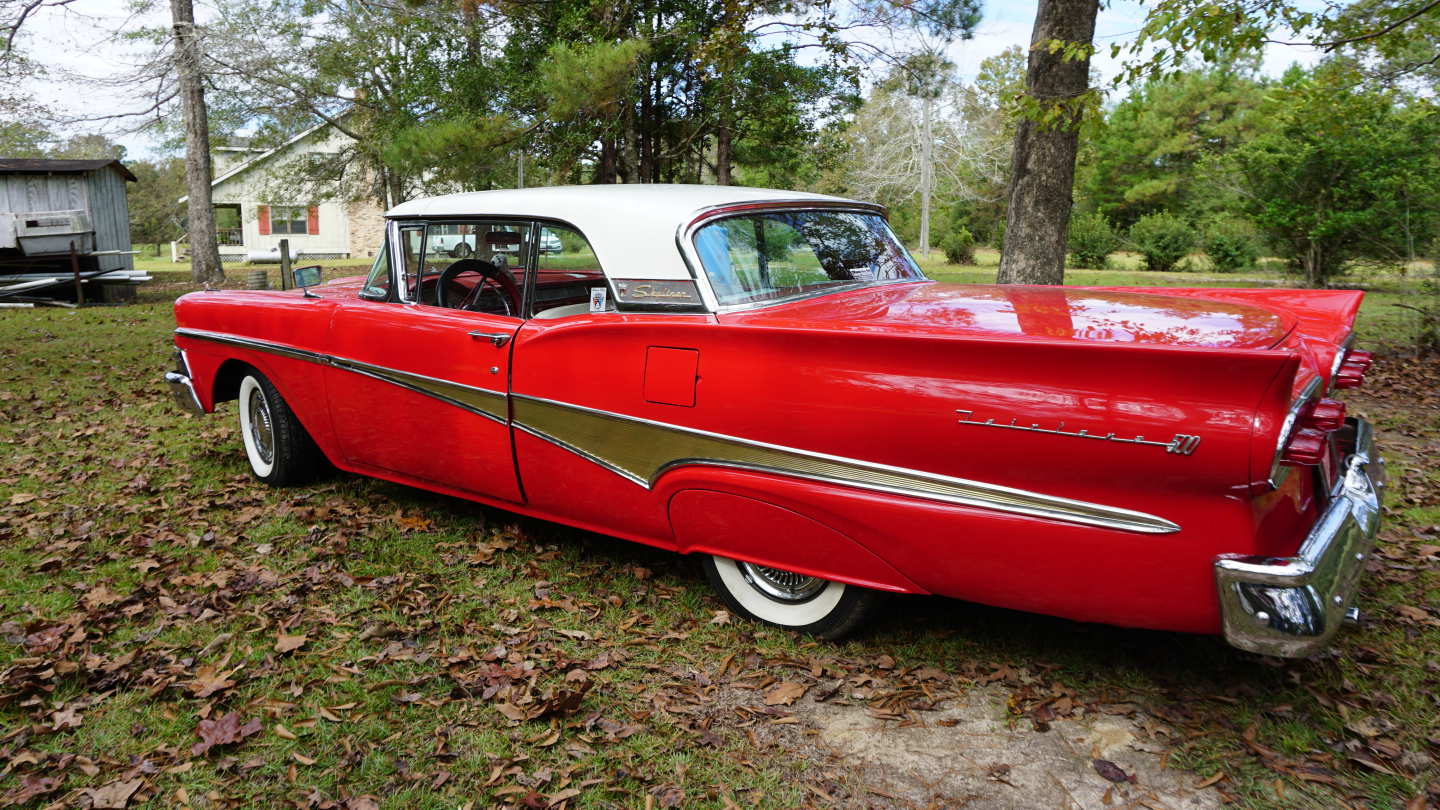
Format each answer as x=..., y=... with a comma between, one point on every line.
x=1183, y=444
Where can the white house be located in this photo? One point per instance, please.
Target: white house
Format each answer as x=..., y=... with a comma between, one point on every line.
x=260, y=198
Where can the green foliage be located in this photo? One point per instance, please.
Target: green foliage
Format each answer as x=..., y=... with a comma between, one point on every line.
x=1148, y=153
x=1163, y=239
x=1342, y=173
x=1231, y=244
x=1399, y=33
x=1427, y=306
x=1091, y=240
x=591, y=78
x=959, y=246
x=998, y=242
x=156, y=216
x=88, y=146
x=23, y=139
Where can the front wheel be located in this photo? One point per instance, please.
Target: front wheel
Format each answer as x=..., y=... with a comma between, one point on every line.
x=811, y=605
x=279, y=450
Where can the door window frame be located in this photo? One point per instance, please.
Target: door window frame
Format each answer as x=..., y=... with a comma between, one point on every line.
x=400, y=291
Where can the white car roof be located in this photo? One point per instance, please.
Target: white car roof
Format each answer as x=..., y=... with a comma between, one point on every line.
x=631, y=228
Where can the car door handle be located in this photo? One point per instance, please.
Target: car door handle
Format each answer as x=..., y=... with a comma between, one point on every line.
x=497, y=338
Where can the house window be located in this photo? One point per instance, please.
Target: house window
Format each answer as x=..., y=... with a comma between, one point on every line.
x=228, y=225
x=289, y=219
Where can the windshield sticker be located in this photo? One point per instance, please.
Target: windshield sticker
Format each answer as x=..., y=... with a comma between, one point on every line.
x=597, y=299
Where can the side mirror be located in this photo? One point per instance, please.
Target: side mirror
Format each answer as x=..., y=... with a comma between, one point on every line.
x=306, y=276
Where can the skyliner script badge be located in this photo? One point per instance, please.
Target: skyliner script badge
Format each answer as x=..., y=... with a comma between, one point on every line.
x=1183, y=444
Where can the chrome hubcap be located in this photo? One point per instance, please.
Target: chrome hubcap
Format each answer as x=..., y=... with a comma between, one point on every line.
x=782, y=585
x=262, y=431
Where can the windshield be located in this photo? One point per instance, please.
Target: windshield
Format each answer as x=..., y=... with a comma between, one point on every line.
x=781, y=254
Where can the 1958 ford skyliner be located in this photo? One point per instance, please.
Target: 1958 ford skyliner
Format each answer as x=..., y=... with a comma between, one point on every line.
x=767, y=379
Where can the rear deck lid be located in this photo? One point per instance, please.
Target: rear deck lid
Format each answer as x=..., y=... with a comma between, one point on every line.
x=1053, y=313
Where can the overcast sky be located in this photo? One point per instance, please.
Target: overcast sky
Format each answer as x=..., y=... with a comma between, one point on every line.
x=72, y=40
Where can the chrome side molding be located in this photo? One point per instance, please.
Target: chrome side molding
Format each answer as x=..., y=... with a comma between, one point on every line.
x=642, y=451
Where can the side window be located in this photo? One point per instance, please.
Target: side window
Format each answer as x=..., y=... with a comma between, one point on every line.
x=565, y=273
x=377, y=284
x=479, y=266
x=412, y=237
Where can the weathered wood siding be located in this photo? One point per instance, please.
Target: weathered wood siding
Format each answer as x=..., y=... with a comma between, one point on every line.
x=24, y=193
x=110, y=214
x=100, y=192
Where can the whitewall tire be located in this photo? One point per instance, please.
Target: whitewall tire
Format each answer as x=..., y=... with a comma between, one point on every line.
x=277, y=447
x=818, y=607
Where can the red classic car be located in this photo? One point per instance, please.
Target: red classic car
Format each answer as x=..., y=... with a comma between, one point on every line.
x=767, y=379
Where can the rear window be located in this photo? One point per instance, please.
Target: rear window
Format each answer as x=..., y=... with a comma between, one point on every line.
x=784, y=254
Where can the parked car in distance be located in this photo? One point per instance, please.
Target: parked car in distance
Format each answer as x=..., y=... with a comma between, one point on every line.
x=766, y=379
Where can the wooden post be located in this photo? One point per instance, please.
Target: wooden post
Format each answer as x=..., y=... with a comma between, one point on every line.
x=284, y=264
x=174, y=252
x=75, y=268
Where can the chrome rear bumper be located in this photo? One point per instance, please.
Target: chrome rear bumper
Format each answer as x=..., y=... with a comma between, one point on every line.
x=182, y=387
x=1292, y=606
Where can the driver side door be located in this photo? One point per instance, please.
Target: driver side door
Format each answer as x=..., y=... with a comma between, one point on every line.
x=418, y=391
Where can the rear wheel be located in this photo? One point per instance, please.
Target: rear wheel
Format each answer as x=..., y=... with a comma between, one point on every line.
x=818, y=607
x=279, y=450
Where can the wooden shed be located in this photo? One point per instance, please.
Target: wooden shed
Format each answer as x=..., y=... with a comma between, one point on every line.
x=45, y=205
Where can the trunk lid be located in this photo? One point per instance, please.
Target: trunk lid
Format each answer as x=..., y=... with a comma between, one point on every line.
x=1038, y=312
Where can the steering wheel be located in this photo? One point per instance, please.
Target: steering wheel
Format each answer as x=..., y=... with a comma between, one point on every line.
x=503, y=280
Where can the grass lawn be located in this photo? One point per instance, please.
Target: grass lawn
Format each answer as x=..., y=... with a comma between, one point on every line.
x=175, y=632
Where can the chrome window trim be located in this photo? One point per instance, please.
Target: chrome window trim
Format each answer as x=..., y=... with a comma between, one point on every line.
x=1278, y=471
x=685, y=241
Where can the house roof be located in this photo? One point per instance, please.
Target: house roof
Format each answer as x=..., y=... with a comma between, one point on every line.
x=266, y=155
x=47, y=166
x=633, y=228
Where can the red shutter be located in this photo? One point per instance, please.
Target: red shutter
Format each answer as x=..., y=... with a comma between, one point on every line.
x=264, y=220
x=312, y=221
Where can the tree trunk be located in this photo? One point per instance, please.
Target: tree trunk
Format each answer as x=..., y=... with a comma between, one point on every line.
x=205, y=264
x=1042, y=174
x=606, y=171
x=927, y=173
x=723, y=150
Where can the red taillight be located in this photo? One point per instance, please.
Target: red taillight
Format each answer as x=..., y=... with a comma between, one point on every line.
x=1306, y=447
x=1350, y=373
x=1349, y=376
x=1326, y=415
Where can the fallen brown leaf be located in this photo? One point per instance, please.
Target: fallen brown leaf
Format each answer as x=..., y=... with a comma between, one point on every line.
x=113, y=796
x=1111, y=771
x=224, y=731
x=785, y=693
x=284, y=643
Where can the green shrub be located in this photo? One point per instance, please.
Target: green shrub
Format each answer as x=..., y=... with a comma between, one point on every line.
x=1163, y=239
x=999, y=239
x=1231, y=245
x=959, y=246
x=1091, y=240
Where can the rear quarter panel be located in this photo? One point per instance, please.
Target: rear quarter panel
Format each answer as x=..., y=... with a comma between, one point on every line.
x=893, y=400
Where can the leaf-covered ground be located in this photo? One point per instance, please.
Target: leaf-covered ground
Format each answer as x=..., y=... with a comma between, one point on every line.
x=178, y=635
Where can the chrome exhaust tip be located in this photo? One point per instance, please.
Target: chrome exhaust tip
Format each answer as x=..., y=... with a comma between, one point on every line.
x=1352, y=616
